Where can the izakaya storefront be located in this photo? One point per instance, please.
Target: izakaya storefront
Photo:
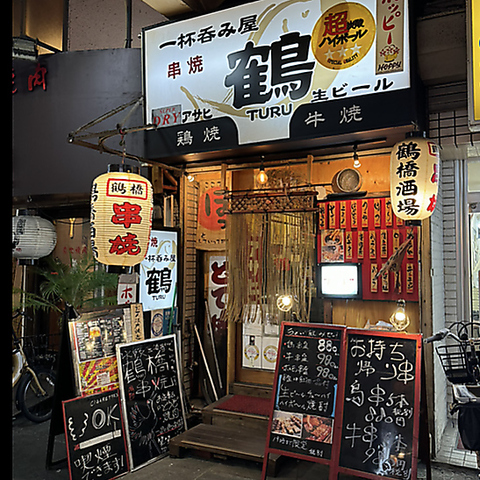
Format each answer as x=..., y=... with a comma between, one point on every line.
x=316, y=98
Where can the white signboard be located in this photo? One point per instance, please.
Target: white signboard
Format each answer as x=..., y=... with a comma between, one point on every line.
x=257, y=64
x=158, y=272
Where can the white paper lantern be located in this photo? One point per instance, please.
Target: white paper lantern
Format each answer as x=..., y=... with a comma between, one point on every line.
x=414, y=177
x=120, y=217
x=33, y=237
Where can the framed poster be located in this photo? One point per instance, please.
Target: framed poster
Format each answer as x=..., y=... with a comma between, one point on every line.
x=152, y=398
x=159, y=271
x=93, y=337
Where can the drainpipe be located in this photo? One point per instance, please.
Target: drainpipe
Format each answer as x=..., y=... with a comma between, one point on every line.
x=128, y=23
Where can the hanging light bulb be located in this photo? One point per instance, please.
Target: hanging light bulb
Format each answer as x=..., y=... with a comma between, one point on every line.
x=356, y=161
x=285, y=302
x=399, y=318
x=262, y=177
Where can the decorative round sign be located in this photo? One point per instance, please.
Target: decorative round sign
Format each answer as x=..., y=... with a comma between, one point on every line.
x=343, y=35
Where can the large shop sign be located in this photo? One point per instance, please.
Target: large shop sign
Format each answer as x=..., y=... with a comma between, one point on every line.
x=264, y=71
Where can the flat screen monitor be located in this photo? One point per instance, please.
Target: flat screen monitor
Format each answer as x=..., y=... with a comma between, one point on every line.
x=339, y=280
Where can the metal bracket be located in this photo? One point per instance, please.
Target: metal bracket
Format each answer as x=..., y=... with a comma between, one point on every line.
x=82, y=136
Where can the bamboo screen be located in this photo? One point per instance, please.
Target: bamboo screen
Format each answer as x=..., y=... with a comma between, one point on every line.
x=269, y=255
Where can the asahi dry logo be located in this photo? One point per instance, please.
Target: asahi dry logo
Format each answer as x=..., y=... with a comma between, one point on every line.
x=167, y=116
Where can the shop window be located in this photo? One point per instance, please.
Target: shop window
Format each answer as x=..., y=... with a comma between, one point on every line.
x=473, y=192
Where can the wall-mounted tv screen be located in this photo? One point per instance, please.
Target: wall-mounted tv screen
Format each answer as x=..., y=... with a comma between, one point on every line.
x=339, y=280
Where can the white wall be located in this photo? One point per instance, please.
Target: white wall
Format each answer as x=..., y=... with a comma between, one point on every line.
x=438, y=303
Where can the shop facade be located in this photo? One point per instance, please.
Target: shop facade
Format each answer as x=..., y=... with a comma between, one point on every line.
x=302, y=122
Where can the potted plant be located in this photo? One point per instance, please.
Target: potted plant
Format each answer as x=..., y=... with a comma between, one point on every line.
x=81, y=283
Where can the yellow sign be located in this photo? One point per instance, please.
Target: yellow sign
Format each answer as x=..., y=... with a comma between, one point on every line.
x=343, y=35
x=475, y=12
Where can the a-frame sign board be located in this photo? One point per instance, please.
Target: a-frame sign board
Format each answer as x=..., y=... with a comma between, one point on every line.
x=347, y=398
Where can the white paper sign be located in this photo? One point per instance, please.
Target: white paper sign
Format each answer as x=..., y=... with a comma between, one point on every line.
x=158, y=272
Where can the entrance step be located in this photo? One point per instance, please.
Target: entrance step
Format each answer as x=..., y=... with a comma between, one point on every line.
x=239, y=410
x=220, y=441
x=252, y=389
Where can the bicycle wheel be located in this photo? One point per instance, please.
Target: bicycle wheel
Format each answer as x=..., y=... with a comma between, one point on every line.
x=35, y=406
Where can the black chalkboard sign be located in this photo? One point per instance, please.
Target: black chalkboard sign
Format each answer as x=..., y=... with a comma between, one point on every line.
x=348, y=398
x=305, y=390
x=151, y=396
x=95, y=439
x=381, y=404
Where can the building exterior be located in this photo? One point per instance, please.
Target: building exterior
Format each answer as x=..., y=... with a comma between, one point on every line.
x=98, y=67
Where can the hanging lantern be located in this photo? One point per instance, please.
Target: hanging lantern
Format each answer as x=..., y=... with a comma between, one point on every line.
x=414, y=176
x=121, y=217
x=33, y=237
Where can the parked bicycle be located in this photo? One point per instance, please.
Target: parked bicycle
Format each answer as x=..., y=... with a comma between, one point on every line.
x=460, y=359
x=36, y=382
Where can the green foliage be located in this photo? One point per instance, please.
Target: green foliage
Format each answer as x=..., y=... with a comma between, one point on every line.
x=76, y=284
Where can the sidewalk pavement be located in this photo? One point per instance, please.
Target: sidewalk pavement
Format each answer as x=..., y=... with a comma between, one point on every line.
x=29, y=447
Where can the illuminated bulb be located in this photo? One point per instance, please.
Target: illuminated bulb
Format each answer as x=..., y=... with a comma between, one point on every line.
x=356, y=161
x=284, y=302
x=262, y=177
x=399, y=318
x=190, y=177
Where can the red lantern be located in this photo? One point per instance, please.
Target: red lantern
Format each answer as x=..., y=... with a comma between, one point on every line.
x=121, y=216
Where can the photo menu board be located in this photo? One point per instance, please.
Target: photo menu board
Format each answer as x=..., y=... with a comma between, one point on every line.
x=94, y=335
x=348, y=398
x=306, y=384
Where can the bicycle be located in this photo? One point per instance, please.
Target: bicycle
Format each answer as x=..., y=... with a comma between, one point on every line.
x=461, y=363
x=35, y=383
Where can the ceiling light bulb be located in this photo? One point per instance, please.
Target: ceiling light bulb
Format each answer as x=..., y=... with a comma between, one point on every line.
x=284, y=302
x=262, y=177
x=399, y=318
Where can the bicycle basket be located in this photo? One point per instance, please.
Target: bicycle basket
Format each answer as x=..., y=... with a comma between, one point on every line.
x=454, y=362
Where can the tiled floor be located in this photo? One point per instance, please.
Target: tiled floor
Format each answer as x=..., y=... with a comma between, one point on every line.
x=449, y=453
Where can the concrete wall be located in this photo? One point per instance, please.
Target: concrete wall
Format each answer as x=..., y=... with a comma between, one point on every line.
x=102, y=25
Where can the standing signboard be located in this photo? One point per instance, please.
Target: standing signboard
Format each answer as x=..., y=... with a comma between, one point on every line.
x=93, y=338
x=381, y=405
x=95, y=437
x=306, y=390
x=347, y=398
x=152, y=397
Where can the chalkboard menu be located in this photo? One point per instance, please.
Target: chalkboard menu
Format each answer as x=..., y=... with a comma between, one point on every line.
x=380, y=427
x=95, y=437
x=306, y=389
x=151, y=396
x=348, y=398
